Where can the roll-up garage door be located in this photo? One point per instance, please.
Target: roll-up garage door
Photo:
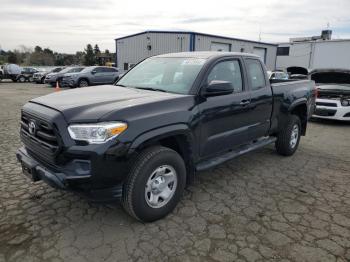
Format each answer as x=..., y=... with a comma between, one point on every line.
x=260, y=51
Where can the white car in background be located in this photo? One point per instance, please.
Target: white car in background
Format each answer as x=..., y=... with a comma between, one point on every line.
x=333, y=98
x=277, y=75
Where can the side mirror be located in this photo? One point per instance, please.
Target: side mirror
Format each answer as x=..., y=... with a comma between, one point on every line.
x=218, y=88
x=93, y=72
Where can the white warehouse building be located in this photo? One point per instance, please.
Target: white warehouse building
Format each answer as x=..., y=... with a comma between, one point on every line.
x=133, y=48
x=301, y=55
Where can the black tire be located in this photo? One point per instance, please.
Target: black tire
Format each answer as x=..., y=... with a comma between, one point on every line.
x=134, y=189
x=42, y=80
x=284, y=145
x=21, y=79
x=83, y=83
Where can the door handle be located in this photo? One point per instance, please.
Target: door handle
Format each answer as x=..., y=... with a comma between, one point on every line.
x=244, y=102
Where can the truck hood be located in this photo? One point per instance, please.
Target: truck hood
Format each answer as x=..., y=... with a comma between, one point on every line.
x=93, y=104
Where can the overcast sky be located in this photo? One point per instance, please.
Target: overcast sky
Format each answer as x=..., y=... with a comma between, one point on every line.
x=68, y=25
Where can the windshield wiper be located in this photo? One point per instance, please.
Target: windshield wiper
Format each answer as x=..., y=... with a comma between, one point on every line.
x=152, y=89
x=120, y=85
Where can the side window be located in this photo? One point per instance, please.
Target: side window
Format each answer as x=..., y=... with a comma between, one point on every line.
x=227, y=71
x=111, y=70
x=255, y=74
x=98, y=69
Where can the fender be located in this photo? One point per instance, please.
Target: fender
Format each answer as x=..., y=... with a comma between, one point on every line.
x=159, y=133
x=297, y=102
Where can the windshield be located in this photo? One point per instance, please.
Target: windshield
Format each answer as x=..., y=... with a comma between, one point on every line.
x=175, y=75
x=75, y=69
x=56, y=70
x=88, y=69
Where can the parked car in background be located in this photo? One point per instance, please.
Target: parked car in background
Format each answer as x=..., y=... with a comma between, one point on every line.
x=170, y=116
x=39, y=77
x=333, y=99
x=298, y=77
x=278, y=75
x=10, y=71
x=93, y=75
x=1, y=72
x=27, y=74
x=54, y=77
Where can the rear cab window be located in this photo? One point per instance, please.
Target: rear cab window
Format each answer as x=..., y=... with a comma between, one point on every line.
x=255, y=74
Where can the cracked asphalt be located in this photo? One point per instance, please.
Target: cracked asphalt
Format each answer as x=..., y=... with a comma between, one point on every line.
x=259, y=207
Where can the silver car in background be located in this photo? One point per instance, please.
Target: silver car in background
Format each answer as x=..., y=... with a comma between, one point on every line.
x=52, y=78
x=93, y=75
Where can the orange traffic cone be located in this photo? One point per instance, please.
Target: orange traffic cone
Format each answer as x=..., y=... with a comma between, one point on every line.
x=57, y=88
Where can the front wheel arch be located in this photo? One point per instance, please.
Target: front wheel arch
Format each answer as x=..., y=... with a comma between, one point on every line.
x=83, y=79
x=176, y=137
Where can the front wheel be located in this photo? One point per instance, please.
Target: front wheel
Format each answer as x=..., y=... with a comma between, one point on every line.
x=289, y=137
x=83, y=83
x=155, y=184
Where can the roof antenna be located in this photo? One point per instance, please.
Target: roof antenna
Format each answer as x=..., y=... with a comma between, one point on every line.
x=259, y=33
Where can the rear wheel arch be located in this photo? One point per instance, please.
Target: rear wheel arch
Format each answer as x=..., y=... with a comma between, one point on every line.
x=300, y=110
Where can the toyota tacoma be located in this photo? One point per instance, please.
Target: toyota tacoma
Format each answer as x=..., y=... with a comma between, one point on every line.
x=143, y=139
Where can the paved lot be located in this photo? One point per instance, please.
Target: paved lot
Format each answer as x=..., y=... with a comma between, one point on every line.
x=259, y=207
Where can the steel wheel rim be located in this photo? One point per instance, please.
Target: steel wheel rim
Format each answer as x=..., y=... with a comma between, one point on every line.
x=83, y=84
x=161, y=186
x=294, y=136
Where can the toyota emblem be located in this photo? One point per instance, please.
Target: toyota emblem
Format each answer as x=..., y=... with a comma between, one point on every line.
x=32, y=127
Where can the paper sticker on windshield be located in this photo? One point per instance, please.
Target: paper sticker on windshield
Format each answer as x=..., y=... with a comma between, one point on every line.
x=193, y=62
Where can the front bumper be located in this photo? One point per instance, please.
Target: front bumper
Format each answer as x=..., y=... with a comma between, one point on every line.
x=50, y=81
x=69, y=82
x=76, y=176
x=331, y=109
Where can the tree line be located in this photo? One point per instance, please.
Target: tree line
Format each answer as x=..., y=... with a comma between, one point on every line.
x=46, y=57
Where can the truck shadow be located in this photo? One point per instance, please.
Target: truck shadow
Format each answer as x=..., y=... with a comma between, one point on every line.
x=330, y=122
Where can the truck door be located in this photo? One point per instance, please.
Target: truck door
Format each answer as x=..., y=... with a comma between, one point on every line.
x=261, y=99
x=224, y=118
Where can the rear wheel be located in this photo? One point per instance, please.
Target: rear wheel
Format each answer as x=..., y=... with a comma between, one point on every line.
x=83, y=83
x=155, y=184
x=289, y=137
x=21, y=79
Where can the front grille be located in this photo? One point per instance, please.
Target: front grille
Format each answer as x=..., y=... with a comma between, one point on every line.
x=44, y=143
x=326, y=104
x=325, y=112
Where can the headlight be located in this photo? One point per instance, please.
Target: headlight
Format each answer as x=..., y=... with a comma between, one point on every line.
x=96, y=133
x=345, y=102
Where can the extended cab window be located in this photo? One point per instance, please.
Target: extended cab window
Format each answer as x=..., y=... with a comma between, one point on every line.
x=229, y=71
x=255, y=74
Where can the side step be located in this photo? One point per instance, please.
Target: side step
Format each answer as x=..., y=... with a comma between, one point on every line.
x=235, y=153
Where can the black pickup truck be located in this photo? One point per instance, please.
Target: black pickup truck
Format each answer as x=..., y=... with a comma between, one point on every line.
x=144, y=138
